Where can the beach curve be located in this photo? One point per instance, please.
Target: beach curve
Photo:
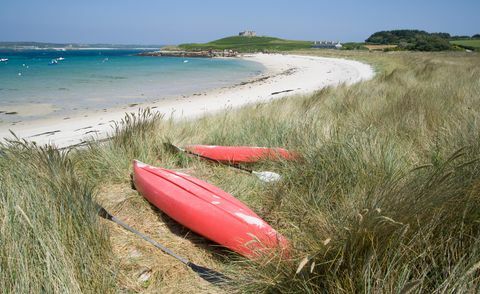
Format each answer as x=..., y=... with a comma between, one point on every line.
x=285, y=75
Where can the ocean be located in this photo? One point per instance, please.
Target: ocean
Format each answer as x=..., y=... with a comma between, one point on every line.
x=62, y=82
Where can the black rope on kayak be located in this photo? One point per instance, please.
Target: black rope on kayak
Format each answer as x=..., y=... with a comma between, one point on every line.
x=207, y=274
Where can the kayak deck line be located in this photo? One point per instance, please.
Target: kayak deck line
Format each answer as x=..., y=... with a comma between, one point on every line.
x=197, y=182
x=217, y=204
x=191, y=180
x=247, y=219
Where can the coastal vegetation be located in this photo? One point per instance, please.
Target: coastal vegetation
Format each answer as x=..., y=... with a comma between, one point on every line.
x=354, y=46
x=416, y=40
x=249, y=44
x=471, y=44
x=384, y=199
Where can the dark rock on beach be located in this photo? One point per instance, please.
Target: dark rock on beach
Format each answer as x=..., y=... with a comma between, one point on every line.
x=209, y=53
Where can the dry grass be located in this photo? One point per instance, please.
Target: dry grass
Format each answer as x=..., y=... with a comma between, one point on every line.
x=379, y=47
x=142, y=267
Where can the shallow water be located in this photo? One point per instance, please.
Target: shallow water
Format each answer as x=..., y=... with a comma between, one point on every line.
x=98, y=79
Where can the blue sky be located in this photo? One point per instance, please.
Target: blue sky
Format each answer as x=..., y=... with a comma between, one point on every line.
x=172, y=22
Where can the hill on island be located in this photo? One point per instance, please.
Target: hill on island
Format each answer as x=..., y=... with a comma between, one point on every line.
x=249, y=44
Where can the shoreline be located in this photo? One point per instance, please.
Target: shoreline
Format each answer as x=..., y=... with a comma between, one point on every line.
x=285, y=75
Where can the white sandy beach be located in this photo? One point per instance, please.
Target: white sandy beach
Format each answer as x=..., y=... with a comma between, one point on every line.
x=286, y=75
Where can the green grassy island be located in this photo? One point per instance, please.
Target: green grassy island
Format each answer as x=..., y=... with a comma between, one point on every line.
x=249, y=44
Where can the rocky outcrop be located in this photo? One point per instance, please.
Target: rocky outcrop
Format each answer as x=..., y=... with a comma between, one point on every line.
x=209, y=53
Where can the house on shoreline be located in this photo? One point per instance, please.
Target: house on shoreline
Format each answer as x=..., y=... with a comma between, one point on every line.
x=327, y=45
x=247, y=34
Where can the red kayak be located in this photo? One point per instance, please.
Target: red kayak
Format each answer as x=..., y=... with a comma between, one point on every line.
x=240, y=154
x=207, y=210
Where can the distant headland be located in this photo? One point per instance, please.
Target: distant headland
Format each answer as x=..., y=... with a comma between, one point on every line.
x=70, y=46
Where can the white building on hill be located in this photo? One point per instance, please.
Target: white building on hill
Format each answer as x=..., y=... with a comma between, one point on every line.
x=327, y=44
x=247, y=34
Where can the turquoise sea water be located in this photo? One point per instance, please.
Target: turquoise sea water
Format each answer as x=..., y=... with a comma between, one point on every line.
x=98, y=79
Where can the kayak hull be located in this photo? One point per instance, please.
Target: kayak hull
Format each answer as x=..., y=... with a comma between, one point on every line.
x=207, y=210
x=240, y=154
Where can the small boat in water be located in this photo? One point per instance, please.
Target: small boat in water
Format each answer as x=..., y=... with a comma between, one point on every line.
x=3, y=59
x=208, y=211
x=60, y=58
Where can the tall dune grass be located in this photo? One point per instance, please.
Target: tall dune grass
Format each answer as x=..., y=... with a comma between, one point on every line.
x=50, y=238
x=386, y=196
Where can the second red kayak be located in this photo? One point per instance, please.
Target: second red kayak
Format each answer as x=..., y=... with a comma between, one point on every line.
x=207, y=210
x=240, y=154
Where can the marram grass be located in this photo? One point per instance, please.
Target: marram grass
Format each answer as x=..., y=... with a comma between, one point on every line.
x=50, y=237
x=384, y=199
